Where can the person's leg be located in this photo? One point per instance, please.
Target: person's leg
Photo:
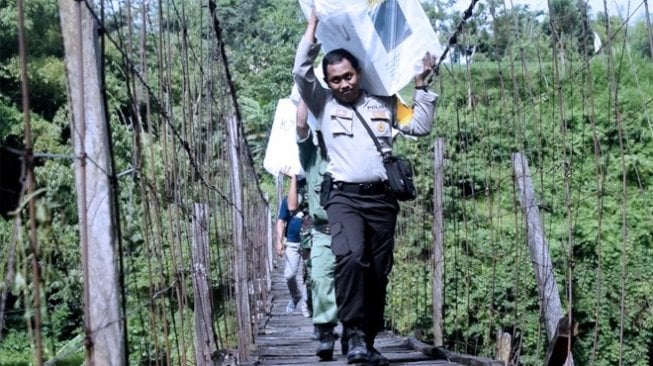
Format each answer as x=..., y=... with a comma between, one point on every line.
x=347, y=232
x=322, y=278
x=292, y=267
x=381, y=217
x=347, y=226
x=308, y=282
x=380, y=229
x=376, y=295
x=323, y=291
x=301, y=285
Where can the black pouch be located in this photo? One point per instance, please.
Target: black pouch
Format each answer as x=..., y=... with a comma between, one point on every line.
x=325, y=189
x=400, y=178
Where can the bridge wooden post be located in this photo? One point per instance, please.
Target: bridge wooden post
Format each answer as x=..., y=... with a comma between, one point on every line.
x=243, y=312
x=561, y=345
x=270, y=245
x=438, y=241
x=205, y=338
x=103, y=321
x=538, y=248
x=504, y=347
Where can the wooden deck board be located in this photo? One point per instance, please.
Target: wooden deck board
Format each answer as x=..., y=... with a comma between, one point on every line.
x=286, y=338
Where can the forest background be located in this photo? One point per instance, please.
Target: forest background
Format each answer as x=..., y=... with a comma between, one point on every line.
x=536, y=85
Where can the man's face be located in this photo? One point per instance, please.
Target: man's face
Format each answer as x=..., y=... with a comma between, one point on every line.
x=343, y=80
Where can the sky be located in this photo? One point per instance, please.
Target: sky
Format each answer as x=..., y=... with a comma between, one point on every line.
x=615, y=7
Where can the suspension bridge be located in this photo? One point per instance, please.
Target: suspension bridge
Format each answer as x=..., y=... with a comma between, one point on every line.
x=142, y=233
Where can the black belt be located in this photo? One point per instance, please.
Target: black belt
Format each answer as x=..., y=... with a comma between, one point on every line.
x=322, y=227
x=365, y=189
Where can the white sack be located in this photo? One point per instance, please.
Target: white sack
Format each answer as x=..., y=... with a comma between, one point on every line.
x=389, y=38
x=282, y=151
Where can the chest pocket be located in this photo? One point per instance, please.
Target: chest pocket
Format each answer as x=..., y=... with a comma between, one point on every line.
x=342, y=122
x=380, y=125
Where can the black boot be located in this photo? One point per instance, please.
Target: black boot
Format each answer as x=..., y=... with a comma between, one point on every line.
x=357, y=351
x=375, y=358
x=327, y=340
x=316, y=333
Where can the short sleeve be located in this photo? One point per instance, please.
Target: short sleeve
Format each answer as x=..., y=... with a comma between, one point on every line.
x=284, y=213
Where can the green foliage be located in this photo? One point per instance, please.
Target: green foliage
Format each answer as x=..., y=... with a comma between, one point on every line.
x=42, y=29
x=639, y=39
x=261, y=37
x=10, y=118
x=13, y=351
x=489, y=279
x=564, y=18
x=490, y=282
x=598, y=233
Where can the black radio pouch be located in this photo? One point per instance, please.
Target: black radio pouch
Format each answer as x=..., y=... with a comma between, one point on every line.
x=325, y=189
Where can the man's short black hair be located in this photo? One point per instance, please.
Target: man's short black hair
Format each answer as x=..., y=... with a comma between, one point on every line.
x=337, y=55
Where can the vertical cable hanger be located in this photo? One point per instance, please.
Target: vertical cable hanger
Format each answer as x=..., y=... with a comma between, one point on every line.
x=29, y=170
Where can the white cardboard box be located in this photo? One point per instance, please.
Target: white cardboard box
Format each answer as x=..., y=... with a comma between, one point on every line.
x=389, y=38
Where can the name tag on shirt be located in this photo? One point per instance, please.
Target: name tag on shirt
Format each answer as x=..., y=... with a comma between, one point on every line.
x=380, y=115
x=342, y=113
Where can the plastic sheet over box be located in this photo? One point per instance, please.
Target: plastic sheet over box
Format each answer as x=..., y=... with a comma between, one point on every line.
x=389, y=38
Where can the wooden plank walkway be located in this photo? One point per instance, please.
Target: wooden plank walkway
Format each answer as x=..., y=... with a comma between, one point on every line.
x=285, y=339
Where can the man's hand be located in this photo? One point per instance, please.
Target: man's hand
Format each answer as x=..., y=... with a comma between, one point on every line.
x=428, y=64
x=279, y=248
x=312, y=19
x=290, y=172
x=309, y=35
x=287, y=171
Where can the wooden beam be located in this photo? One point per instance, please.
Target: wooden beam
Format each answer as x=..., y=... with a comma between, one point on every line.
x=205, y=338
x=243, y=312
x=270, y=246
x=537, y=245
x=441, y=353
x=538, y=248
x=103, y=321
x=563, y=342
x=504, y=346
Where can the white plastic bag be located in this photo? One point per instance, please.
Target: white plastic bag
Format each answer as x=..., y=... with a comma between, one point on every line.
x=389, y=38
x=282, y=151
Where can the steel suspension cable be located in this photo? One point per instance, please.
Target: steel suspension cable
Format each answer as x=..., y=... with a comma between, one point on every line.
x=157, y=103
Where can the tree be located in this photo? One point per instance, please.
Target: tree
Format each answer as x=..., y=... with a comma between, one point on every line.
x=584, y=32
x=639, y=38
x=515, y=27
